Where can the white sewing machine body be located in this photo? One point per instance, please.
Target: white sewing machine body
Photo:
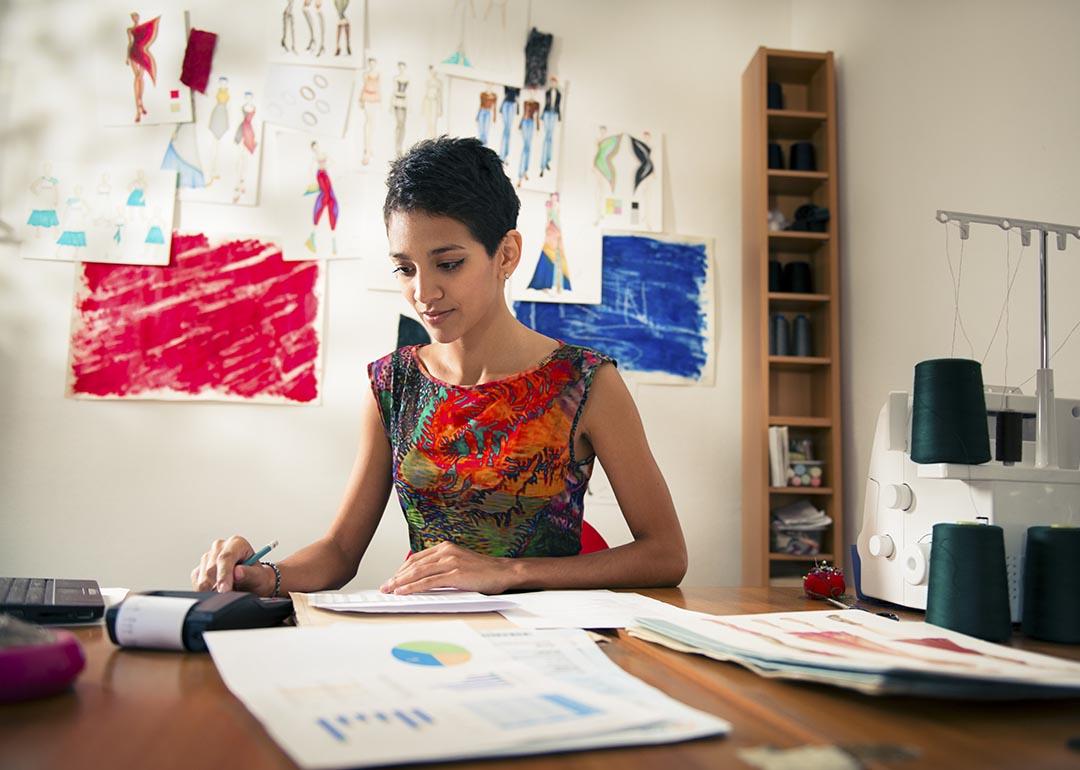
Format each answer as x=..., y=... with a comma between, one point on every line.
x=904, y=500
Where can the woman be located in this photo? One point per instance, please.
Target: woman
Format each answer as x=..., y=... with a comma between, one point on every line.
x=489, y=433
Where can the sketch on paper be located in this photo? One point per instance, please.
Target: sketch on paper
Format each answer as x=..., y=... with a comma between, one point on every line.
x=225, y=322
x=555, y=267
x=485, y=39
x=139, y=78
x=627, y=172
x=312, y=99
x=524, y=126
x=328, y=33
x=657, y=313
x=395, y=108
x=217, y=156
x=317, y=198
x=98, y=213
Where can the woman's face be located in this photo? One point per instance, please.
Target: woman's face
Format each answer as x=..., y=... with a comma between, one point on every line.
x=445, y=273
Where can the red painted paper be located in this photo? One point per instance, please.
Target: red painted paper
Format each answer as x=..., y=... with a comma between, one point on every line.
x=229, y=321
x=198, y=56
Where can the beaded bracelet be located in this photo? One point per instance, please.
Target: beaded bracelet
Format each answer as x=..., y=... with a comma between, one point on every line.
x=277, y=578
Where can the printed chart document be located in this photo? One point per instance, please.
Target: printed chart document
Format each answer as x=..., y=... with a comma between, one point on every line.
x=359, y=696
x=585, y=609
x=864, y=652
x=569, y=655
x=425, y=601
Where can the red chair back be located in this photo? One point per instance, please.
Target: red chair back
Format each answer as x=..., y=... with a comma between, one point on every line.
x=591, y=540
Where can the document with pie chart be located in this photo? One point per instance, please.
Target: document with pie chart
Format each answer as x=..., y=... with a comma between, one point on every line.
x=348, y=695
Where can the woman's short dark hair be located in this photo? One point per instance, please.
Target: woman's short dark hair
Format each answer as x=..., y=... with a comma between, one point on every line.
x=458, y=178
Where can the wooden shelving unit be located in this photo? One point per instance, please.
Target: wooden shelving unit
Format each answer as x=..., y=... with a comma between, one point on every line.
x=802, y=393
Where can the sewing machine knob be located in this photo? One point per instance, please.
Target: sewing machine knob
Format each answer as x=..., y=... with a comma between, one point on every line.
x=881, y=545
x=899, y=497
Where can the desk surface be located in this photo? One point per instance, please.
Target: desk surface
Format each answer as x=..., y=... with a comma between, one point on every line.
x=133, y=709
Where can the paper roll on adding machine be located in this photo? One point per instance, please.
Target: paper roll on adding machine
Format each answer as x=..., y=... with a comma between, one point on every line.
x=905, y=499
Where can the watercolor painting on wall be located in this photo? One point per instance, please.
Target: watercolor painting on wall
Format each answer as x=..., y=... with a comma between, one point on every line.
x=227, y=321
x=104, y=213
x=139, y=74
x=657, y=316
x=627, y=171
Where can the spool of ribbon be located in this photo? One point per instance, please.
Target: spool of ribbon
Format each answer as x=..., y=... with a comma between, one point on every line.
x=804, y=345
x=1009, y=437
x=776, y=156
x=778, y=339
x=969, y=585
x=1052, y=584
x=948, y=415
x=802, y=157
x=775, y=97
x=798, y=278
x=774, y=275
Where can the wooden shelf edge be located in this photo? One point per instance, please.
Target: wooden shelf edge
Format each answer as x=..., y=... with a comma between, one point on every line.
x=795, y=296
x=797, y=235
x=776, y=173
x=797, y=114
x=799, y=362
x=800, y=422
x=800, y=490
x=799, y=557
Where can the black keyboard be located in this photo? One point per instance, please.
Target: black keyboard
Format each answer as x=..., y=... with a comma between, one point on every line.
x=25, y=590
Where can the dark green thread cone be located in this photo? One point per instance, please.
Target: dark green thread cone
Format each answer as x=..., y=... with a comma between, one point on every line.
x=1052, y=584
x=969, y=587
x=948, y=413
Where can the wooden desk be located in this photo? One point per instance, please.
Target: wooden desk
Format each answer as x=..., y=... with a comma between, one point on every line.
x=133, y=709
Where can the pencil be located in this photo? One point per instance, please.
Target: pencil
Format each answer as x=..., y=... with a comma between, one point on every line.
x=254, y=558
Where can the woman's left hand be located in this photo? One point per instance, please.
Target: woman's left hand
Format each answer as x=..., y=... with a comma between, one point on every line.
x=448, y=565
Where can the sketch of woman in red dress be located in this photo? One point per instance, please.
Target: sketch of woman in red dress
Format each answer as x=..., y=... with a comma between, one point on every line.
x=325, y=200
x=139, y=58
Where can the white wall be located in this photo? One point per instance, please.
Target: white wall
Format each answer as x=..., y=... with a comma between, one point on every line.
x=967, y=105
x=131, y=493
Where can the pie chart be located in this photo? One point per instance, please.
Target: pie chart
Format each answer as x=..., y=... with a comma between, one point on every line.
x=431, y=653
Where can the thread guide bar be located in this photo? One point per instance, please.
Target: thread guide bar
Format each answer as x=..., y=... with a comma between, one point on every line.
x=1025, y=226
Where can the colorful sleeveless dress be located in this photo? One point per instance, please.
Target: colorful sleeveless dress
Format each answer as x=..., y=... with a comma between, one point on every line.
x=490, y=467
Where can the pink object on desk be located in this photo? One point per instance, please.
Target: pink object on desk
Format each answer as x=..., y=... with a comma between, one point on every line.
x=40, y=667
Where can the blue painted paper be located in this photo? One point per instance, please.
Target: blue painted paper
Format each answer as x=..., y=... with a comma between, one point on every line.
x=653, y=315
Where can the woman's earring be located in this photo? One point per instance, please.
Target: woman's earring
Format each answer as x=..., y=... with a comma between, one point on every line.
x=506, y=276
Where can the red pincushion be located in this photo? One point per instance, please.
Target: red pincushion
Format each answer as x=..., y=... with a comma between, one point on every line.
x=823, y=582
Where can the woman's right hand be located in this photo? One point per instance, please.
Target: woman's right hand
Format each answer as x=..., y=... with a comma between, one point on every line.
x=220, y=569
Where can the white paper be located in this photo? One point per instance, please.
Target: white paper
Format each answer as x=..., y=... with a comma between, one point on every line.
x=312, y=99
x=351, y=696
x=585, y=609
x=155, y=622
x=425, y=601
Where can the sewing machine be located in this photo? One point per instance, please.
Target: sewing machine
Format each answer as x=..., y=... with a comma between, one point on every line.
x=904, y=500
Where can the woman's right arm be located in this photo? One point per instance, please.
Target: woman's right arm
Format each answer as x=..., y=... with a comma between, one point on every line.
x=332, y=560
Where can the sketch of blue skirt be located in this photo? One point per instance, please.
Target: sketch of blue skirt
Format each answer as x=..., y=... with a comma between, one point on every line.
x=43, y=218
x=154, y=235
x=72, y=238
x=136, y=198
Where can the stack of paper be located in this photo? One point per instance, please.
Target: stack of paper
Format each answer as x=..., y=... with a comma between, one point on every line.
x=359, y=696
x=800, y=515
x=864, y=652
x=584, y=609
x=426, y=601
